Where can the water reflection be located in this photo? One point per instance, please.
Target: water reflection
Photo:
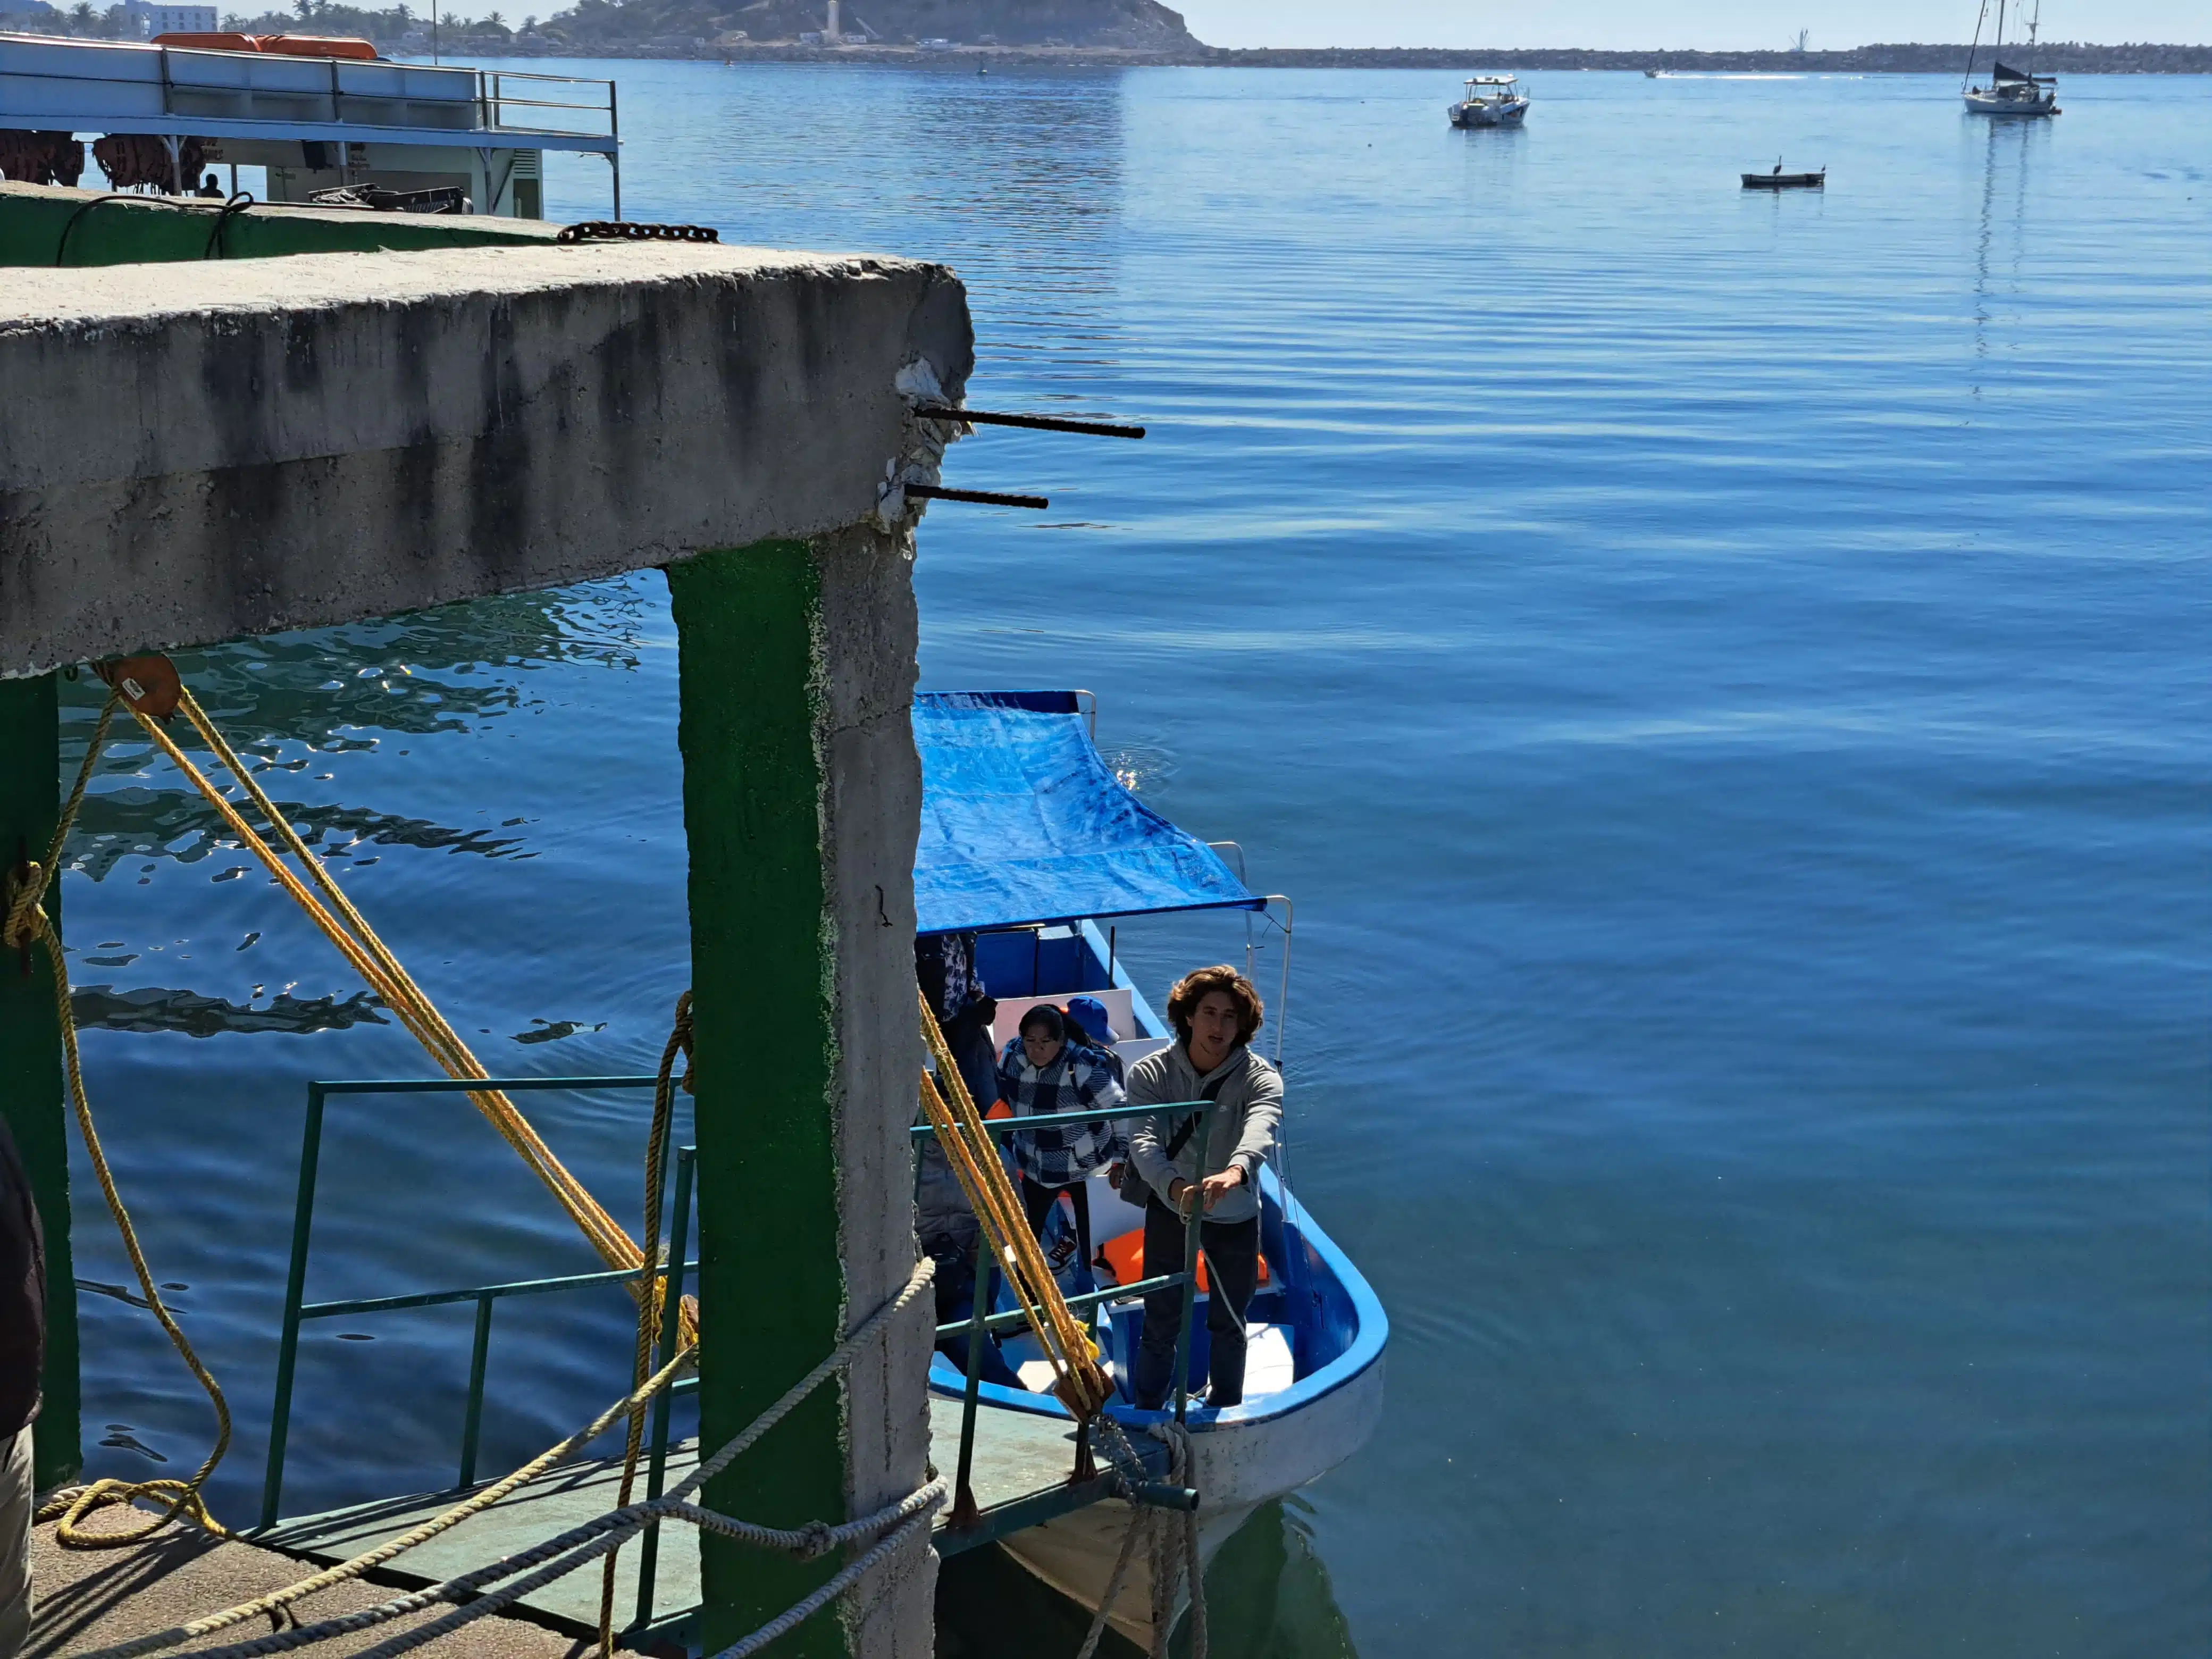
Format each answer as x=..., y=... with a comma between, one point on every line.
x=1268, y=1596
x=2006, y=144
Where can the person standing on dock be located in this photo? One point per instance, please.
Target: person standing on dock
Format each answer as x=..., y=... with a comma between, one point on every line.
x=23, y=1361
x=1215, y=1012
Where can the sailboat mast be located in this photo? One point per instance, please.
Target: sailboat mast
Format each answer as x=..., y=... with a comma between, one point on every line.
x=1981, y=18
x=1999, y=48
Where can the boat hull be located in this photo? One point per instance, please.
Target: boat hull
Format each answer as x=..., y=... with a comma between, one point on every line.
x=1485, y=115
x=1239, y=1465
x=1979, y=102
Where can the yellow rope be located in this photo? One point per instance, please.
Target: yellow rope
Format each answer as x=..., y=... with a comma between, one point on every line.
x=26, y=921
x=396, y=988
x=1079, y=1382
x=183, y=1497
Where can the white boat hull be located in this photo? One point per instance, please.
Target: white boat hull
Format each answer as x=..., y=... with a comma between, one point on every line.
x=1980, y=101
x=1488, y=115
x=1240, y=1466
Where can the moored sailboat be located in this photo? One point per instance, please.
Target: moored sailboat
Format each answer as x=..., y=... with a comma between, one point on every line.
x=2010, y=92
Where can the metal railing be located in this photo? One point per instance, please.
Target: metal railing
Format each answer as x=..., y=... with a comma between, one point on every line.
x=298, y=1310
x=495, y=101
x=982, y=1323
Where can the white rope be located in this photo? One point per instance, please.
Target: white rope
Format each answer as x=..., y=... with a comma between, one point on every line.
x=821, y=1598
x=587, y=1542
x=1139, y=1515
x=583, y=1545
x=1168, y=1561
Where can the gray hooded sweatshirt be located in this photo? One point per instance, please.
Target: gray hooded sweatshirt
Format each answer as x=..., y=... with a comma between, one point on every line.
x=1240, y=1131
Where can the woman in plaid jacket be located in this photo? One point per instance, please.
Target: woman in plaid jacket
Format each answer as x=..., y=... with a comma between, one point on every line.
x=1042, y=1072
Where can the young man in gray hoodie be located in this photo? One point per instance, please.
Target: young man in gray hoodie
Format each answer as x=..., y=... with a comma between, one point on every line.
x=1215, y=1013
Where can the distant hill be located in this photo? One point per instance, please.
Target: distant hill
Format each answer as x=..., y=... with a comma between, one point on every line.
x=1074, y=32
x=1139, y=25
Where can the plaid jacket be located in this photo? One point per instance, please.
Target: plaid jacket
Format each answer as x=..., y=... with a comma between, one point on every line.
x=1077, y=1078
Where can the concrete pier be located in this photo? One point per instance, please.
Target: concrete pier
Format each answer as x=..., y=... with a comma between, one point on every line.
x=194, y=452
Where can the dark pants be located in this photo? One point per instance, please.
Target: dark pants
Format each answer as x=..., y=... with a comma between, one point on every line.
x=1232, y=1269
x=955, y=1288
x=1038, y=1201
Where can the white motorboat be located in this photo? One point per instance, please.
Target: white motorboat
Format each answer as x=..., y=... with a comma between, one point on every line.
x=1492, y=100
x=2010, y=92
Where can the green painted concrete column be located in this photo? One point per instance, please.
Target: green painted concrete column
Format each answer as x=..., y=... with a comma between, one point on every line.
x=801, y=794
x=31, y=1096
x=764, y=1053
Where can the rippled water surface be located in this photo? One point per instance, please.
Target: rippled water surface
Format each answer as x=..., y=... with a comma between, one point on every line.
x=1724, y=677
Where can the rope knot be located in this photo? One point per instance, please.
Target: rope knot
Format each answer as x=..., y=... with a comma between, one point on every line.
x=679, y=1038
x=25, y=888
x=816, y=1539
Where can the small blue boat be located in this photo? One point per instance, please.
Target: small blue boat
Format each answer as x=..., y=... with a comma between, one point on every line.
x=1030, y=841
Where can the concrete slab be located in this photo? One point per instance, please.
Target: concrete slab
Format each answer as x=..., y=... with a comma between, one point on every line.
x=198, y=451
x=91, y=1599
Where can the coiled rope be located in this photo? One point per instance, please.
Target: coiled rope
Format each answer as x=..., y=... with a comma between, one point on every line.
x=893, y=1525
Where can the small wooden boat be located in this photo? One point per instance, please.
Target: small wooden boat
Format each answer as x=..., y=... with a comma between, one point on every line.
x=1028, y=840
x=1778, y=179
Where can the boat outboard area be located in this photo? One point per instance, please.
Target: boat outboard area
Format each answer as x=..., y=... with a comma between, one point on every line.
x=1036, y=856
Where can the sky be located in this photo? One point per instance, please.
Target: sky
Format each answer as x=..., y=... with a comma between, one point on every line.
x=1710, y=25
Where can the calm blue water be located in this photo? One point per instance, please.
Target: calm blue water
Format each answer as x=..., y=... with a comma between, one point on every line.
x=1725, y=678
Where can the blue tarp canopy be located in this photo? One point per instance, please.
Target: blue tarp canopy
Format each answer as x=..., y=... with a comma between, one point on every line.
x=1022, y=822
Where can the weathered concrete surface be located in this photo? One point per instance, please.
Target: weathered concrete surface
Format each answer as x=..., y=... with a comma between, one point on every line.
x=868, y=630
x=90, y=1599
x=194, y=453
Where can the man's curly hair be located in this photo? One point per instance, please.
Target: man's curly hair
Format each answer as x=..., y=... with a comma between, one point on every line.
x=1192, y=987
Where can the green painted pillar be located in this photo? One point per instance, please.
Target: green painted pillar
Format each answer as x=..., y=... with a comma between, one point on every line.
x=801, y=795
x=32, y=1097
